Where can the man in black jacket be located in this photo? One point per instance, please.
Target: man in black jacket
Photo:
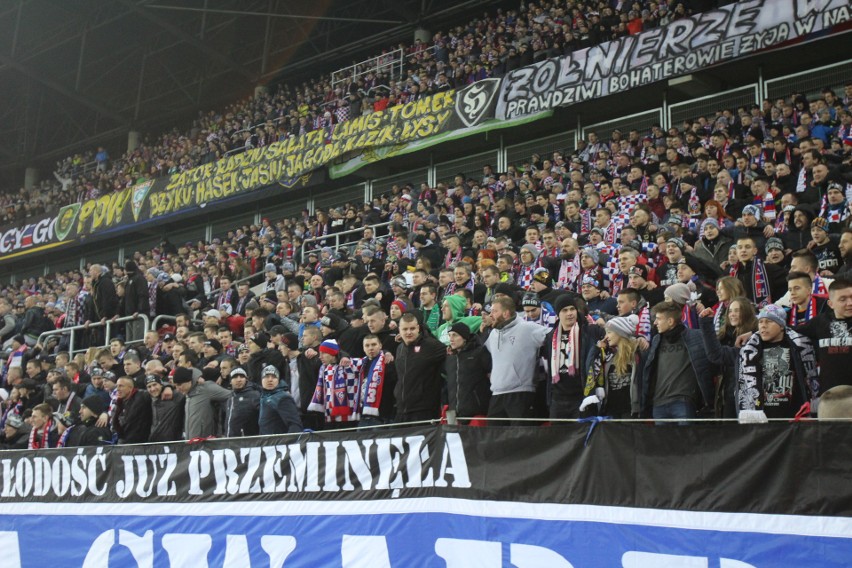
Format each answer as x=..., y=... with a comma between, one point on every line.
x=301, y=373
x=167, y=416
x=105, y=300
x=419, y=361
x=132, y=419
x=468, y=366
x=243, y=408
x=261, y=356
x=135, y=300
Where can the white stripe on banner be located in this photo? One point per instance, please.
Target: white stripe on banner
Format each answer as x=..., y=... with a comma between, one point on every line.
x=837, y=527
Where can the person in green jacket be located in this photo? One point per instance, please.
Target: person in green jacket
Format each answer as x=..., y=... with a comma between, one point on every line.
x=453, y=309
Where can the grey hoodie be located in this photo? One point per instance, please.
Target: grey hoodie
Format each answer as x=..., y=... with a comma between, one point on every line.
x=514, y=354
x=200, y=419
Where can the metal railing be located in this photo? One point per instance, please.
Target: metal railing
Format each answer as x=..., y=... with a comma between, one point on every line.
x=336, y=237
x=390, y=61
x=72, y=332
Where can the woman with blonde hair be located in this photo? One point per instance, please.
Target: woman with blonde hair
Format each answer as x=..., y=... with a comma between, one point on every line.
x=613, y=383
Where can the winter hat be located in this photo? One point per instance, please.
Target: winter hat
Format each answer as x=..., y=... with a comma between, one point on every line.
x=678, y=293
x=640, y=270
x=678, y=242
x=152, y=379
x=403, y=307
x=330, y=347
x=598, y=230
x=624, y=326
x=774, y=243
x=214, y=343
x=16, y=422
x=261, y=340
x=751, y=210
x=834, y=403
x=709, y=221
x=530, y=249
x=238, y=372
x=675, y=220
x=367, y=253
x=270, y=268
x=270, y=370
x=591, y=281
x=63, y=419
x=291, y=340
x=461, y=329
x=331, y=321
x=542, y=276
x=566, y=300
x=819, y=223
x=400, y=282
x=531, y=300
x=288, y=267
x=592, y=253
x=181, y=375
x=774, y=313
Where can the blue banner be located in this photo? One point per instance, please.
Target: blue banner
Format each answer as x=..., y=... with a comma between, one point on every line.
x=415, y=535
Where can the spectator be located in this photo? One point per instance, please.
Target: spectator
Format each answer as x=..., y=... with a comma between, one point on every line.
x=87, y=432
x=777, y=373
x=513, y=345
x=131, y=420
x=243, y=409
x=136, y=300
x=278, y=412
x=16, y=433
x=199, y=415
x=467, y=368
x=614, y=377
x=678, y=377
x=167, y=414
x=419, y=360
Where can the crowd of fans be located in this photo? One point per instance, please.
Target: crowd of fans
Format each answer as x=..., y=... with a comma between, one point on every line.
x=702, y=271
x=485, y=47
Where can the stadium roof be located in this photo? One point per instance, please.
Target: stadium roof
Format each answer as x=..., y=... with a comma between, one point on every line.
x=76, y=74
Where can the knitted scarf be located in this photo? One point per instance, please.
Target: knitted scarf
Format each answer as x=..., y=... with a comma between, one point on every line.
x=759, y=281
x=689, y=317
x=720, y=315
x=152, y=298
x=525, y=275
x=452, y=258
x=834, y=214
x=643, y=328
x=820, y=289
x=372, y=382
x=750, y=390
x=64, y=437
x=572, y=355
x=794, y=319
x=38, y=442
x=568, y=271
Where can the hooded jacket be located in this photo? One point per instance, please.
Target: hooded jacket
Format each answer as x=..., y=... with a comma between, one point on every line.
x=200, y=418
x=132, y=418
x=135, y=291
x=278, y=412
x=242, y=412
x=457, y=306
x=467, y=379
x=419, y=383
x=514, y=350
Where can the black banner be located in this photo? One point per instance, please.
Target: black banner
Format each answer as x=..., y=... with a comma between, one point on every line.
x=776, y=468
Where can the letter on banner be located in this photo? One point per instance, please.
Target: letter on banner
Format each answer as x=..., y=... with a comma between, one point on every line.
x=278, y=548
x=236, y=552
x=187, y=550
x=529, y=556
x=140, y=547
x=364, y=552
x=11, y=549
x=462, y=553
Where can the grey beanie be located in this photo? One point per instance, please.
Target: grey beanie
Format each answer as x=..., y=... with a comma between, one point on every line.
x=678, y=293
x=774, y=313
x=625, y=326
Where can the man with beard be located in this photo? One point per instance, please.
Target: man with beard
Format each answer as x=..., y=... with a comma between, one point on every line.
x=845, y=270
x=565, y=267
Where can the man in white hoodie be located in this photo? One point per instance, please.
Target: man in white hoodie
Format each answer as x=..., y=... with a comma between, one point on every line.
x=514, y=345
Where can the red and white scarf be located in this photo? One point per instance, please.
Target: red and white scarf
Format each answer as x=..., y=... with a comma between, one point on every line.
x=38, y=442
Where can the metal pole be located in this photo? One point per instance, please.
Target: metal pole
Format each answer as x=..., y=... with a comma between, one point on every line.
x=139, y=87
x=80, y=61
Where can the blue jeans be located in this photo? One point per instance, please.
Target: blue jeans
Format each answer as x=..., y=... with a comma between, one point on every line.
x=682, y=408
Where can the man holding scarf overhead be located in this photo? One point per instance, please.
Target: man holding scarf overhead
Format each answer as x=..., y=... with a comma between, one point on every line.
x=567, y=351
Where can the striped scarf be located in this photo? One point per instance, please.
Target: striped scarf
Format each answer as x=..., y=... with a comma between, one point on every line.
x=759, y=281
x=795, y=319
x=372, y=382
x=568, y=271
x=820, y=289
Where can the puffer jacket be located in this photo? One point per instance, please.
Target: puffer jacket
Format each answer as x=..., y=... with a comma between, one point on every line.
x=419, y=383
x=242, y=412
x=278, y=412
